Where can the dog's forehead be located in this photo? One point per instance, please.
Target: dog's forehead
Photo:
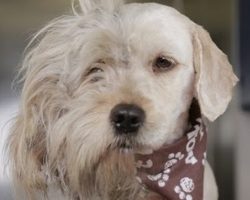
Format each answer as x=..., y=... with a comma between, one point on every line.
x=143, y=31
x=152, y=28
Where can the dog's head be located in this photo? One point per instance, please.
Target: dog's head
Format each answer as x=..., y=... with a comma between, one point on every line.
x=113, y=77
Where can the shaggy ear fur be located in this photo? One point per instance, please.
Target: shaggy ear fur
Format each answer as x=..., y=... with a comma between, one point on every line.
x=215, y=78
x=108, y=5
x=27, y=151
x=28, y=140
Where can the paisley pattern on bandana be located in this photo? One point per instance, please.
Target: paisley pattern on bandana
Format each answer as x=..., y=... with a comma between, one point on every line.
x=176, y=171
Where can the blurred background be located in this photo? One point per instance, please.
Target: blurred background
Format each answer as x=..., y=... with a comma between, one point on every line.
x=227, y=22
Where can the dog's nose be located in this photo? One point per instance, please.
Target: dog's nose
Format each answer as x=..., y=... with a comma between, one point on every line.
x=127, y=118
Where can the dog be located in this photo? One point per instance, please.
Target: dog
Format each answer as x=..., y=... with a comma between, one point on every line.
x=111, y=81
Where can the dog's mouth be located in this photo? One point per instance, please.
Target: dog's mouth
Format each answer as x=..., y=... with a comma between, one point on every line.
x=125, y=144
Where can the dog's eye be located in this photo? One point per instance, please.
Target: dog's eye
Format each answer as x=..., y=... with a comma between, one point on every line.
x=94, y=70
x=162, y=64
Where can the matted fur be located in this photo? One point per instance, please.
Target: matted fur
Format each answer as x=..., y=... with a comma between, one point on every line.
x=62, y=136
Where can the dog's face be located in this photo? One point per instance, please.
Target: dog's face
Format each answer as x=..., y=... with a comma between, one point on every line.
x=120, y=78
x=132, y=66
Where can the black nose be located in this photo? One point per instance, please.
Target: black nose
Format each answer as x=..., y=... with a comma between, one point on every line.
x=127, y=118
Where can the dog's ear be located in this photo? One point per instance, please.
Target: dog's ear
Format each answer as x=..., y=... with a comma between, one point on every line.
x=214, y=75
x=90, y=5
x=28, y=141
x=27, y=152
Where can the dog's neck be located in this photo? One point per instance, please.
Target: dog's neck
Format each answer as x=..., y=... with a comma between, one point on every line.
x=186, y=120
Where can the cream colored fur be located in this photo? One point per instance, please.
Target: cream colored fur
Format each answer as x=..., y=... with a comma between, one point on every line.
x=62, y=138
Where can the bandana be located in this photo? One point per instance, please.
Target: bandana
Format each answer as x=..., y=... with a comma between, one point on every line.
x=176, y=171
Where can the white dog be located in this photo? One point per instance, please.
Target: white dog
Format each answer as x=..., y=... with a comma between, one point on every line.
x=99, y=86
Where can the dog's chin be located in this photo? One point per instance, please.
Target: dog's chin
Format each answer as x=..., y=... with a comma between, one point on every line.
x=130, y=149
x=132, y=146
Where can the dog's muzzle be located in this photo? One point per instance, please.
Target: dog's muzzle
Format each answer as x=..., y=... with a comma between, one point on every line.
x=127, y=118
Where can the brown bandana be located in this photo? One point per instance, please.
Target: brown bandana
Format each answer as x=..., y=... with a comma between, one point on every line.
x=176, y=171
